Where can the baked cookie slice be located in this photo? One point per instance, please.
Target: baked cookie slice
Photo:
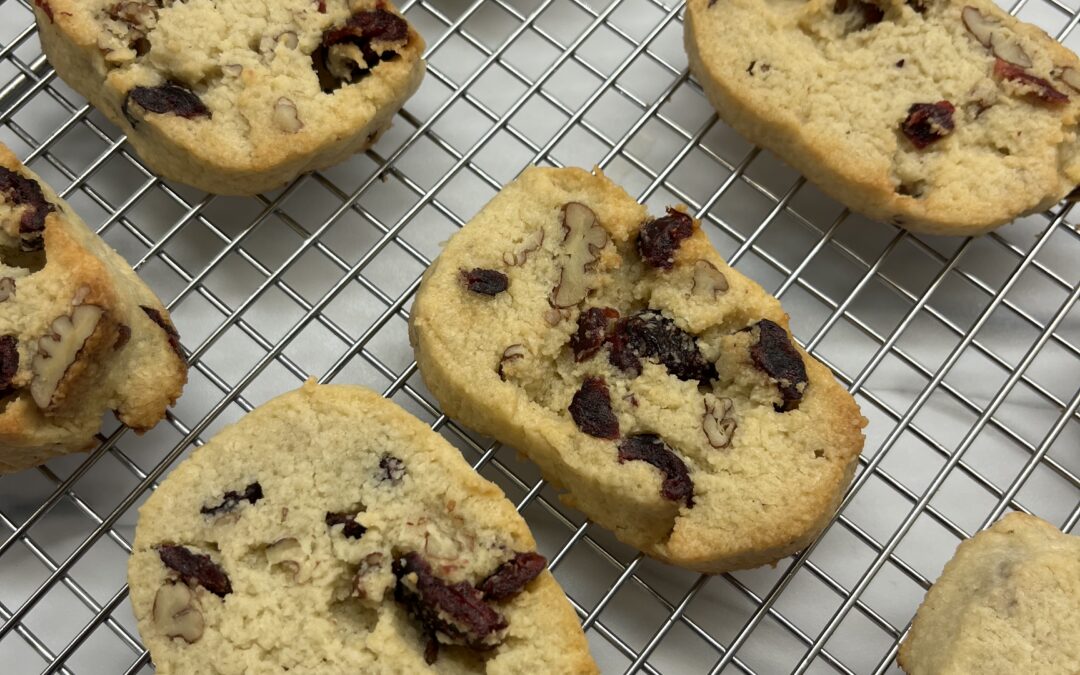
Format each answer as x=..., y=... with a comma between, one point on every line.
x=237, y=97
x=1008, y=602
x=941, y=116
x=653, y=383
x=80, y=333
x=331, y=532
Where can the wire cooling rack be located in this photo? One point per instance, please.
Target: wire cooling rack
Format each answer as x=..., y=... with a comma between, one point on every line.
x=963, y=353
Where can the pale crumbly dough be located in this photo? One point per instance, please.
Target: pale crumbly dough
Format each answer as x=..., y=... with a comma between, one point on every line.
x=765, y=496
x=294, y=604
x=249, y=62
x=828, y=94
x=1007, y=603
x=127, y=364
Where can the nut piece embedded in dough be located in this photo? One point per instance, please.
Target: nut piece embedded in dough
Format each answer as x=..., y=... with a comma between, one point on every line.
x=582, y=241
x=531, y=244
x=58, y=350
x=979, y=25
x=175, y=613
x=717, y=424
x=7, y=288
x=286, y=554
x=1007, y=48
x=510, y=354
x=1071, y=77
x=709, y=282
x=286, y=116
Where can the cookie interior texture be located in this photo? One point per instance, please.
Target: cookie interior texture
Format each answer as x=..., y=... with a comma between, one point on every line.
x=1007, y=602
x=308, y=512
x=763, y=482
x=80, y=333
x=829, y=84
x=237, y=97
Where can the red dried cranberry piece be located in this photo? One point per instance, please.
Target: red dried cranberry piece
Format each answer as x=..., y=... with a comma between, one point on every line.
x=166, y=99
x=391, y=469
x=591, y=409
x=9, y=361
x=650, y=448
x=196, y=567
x=457, y=613
x=1040, y=88
x=593, y=327
x=928, y=123
x=513, y=575
x=652, y=335
x=485, y=282
x=361, y=29
x=170, y=331
x=321, y=5
x=251, y=494
x=659, y=239
x=21, y=191
x=352, y=529
x=777, y=357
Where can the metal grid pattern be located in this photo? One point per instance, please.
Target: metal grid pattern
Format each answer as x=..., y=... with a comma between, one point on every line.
x=963, y=353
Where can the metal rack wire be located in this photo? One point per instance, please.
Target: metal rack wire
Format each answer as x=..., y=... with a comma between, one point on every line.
x=962, y=353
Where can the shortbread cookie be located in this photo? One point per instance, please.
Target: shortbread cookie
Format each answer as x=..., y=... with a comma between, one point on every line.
x=80, y=333
x=1007, y=603
x=232, y=96
x=331, y=532
x=656, y=385
x=942, y=116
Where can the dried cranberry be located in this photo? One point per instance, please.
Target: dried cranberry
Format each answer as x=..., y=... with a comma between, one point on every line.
x=659, y=239
x=321, y=4
x=928, y=123
x=1034, y=86
x=455, y=612
x=391, y=469
x=485, y=282
x=167, y=99
x=9, y=361
x=777, y=357
x=251, y=494
x=593, y=327
x=170, y=331
x=21, y=191
x=361, y=30
x=513, y=575
x=649, y=334
x=196, y=567
x=591, y=409
x=650, y=448
x=352, y=529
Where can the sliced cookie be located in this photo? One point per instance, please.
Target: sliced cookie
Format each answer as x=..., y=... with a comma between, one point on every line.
x=942, y=116
x=1008, y=602
x=656, y=385
x=237, y=97
x=80, y=333
x=331, y=532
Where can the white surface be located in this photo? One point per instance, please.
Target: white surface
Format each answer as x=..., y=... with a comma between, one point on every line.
x=562, y=82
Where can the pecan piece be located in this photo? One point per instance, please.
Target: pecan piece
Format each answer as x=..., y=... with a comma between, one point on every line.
x=591, y=409
x=196, y=568
x=652, y=449
x=176, y=613
x=583, y=239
